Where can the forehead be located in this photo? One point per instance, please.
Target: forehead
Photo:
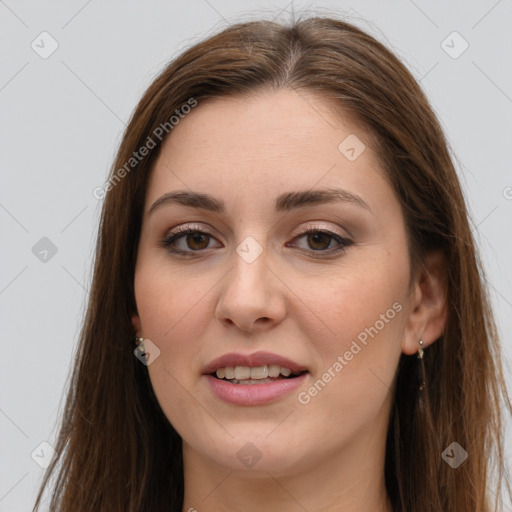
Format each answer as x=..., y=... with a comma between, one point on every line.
x=260, y=146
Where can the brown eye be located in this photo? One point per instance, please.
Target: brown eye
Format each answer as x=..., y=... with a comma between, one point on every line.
x=196, y=241
x=319, y=240
x=186, y=242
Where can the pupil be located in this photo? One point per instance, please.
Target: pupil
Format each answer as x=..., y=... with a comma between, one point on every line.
x=316, y=236
x=196, y=238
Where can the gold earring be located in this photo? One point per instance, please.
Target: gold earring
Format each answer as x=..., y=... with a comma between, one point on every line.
x=422, y=364
x=138, y=341
x=420, y=350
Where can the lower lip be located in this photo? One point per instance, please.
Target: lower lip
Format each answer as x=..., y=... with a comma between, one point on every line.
x=254, y=394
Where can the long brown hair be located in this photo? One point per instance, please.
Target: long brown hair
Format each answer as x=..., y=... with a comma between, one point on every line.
x=116, y=449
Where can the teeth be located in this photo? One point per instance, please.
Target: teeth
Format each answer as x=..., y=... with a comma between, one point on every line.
x=251, y=381
x=244, y=373
x=274, y=370
x=286, y=372
x=260, y=372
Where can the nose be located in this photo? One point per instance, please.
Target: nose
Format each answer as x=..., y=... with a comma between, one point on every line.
x=251, y=296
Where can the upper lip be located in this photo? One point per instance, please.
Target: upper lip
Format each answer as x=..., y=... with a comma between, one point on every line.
x=252, y=360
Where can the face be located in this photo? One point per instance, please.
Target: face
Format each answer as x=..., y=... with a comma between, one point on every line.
x=270, y=280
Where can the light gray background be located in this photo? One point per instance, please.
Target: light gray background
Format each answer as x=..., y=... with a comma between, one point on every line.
x=62, y=118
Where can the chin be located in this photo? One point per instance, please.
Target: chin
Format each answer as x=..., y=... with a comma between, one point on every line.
x=257, y=456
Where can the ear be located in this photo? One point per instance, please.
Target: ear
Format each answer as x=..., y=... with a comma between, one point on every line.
x=428, y=307
x=136, y=325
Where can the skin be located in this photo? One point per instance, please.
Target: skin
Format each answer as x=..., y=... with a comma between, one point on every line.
x=327, y=454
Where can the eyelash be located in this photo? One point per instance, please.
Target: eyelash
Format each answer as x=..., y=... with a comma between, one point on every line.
x=182, y=231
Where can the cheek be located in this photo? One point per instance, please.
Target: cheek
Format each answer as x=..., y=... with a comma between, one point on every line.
x=364, y=302
x=364, y=309
x=173, y=312
x=360, y=354
x=170, y=305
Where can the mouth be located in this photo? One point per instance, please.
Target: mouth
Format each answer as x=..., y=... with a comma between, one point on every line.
x=254, y=379
x=246, y=375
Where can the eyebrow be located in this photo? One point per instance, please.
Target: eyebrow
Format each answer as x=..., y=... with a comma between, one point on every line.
x=284, y=203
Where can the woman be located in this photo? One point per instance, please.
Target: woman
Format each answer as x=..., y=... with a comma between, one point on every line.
x=285, y=248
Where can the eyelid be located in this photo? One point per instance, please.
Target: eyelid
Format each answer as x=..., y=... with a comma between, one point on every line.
x=298, y=231
x=308, y=227
x=187, y=227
